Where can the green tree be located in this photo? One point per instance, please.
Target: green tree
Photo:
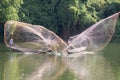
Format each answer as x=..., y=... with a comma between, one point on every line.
x=68, y=17
x=39, y=12
x=9, y=10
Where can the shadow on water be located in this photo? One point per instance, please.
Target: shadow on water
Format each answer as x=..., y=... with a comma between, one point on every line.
x=98, y=66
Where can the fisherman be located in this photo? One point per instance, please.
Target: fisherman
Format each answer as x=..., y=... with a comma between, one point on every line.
x=11, y=40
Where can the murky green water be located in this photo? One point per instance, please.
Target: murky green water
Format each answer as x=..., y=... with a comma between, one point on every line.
x=104, y=65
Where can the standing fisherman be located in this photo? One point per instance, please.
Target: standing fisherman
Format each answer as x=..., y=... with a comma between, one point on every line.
x=11, y=40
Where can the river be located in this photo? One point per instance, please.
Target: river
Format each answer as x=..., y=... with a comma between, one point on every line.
x=103, y=65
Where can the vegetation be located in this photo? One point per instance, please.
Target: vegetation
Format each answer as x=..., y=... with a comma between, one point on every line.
x=9, y=10
x=68, y=17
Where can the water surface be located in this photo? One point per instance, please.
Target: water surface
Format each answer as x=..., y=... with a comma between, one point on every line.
x=104, y=65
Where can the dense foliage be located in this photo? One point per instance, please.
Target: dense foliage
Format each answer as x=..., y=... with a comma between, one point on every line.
x=9, y=10
x=68, y=17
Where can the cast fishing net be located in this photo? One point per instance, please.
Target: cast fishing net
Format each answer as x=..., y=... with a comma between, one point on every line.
x=34, y=38
x=95, y=38
x=31, y=38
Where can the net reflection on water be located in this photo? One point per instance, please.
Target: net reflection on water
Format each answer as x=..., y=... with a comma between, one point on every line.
x=51, y=67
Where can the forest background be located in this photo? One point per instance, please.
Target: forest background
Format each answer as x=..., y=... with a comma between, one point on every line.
x=64, y=17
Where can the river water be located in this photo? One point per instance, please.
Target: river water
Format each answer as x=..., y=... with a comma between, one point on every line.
x=103, y=65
